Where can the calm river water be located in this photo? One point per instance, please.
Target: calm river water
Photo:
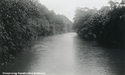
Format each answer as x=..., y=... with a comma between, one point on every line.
x=68, y=54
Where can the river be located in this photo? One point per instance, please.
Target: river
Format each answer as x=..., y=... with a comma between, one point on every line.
x=68, y=54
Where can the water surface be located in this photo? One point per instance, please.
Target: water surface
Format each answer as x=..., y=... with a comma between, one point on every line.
x=68, y=54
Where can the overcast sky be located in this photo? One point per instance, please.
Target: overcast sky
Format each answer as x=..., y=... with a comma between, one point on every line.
x=68, y=7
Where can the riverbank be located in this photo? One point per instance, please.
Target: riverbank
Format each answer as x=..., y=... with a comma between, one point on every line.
x=68, y=54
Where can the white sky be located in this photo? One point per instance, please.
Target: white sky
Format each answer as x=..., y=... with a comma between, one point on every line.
x=68, y=7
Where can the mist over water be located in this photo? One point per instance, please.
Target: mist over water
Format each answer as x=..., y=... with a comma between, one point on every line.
x=68, y=54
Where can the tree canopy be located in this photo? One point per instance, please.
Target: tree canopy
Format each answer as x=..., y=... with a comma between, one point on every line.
x=106, y=26
x=25, y=20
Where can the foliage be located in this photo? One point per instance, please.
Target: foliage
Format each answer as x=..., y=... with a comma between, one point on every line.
x=24, y=20
x=105, y=25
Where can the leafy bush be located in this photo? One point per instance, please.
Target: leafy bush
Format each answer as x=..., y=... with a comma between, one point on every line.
x=105, y=25
x=22, y=21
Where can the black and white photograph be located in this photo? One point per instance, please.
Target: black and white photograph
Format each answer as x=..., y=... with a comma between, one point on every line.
x=62, y=37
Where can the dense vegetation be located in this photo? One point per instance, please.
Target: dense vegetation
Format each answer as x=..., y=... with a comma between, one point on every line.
x=24, y=20
x=106, y=26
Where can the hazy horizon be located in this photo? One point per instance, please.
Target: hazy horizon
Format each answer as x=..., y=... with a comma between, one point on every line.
x=68, y=7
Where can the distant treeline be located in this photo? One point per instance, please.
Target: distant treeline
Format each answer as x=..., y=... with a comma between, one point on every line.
x=106, y=26
x=24, y=20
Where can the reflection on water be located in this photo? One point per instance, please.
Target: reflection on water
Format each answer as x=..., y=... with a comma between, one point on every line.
x=67, y=54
